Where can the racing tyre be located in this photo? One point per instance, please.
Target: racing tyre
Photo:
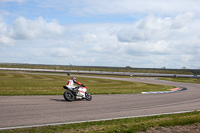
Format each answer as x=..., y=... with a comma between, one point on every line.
x=88, y=96
x=68, y=96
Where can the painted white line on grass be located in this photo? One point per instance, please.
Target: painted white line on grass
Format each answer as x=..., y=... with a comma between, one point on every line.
x=56, y=124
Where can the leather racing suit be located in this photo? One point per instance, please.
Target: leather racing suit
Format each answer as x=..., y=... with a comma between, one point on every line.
x=80, y=90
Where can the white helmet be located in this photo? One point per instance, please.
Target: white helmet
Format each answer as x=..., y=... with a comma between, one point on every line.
x=74, y=79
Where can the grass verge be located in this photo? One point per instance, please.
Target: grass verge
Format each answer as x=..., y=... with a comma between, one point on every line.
x=38, y=84
x=129, y=125
x=186, y=80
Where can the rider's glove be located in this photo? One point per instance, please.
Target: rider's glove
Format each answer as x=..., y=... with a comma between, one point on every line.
x=77, y=87
x=83, y=85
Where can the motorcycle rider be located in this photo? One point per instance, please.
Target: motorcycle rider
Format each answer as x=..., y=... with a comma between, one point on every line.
x=79, y=90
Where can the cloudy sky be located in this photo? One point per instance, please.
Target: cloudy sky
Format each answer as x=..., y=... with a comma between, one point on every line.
x=136, y=33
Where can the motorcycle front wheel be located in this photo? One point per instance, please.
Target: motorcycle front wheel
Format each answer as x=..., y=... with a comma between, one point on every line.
x=88, y=96
x=68, y=96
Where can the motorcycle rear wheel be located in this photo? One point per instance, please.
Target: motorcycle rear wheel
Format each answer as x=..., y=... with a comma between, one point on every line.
x=68, y=96
x=88, y=96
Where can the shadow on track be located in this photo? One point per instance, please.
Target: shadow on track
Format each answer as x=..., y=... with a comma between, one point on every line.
x=63, y=100
x=59, y=100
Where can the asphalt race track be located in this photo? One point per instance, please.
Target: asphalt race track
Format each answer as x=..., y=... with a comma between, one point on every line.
x=22, y=111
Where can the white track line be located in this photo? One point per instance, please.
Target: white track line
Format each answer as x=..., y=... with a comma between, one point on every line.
x=55, y=124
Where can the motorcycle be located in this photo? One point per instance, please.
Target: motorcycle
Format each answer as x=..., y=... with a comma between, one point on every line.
x=79, y=92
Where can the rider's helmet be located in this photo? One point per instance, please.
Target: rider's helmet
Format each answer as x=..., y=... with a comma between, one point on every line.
x=74, y=79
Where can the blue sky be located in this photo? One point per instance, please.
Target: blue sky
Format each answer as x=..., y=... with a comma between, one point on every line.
x=136, y=33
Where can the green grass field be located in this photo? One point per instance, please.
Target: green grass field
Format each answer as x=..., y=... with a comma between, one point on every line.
x=14, y=83
x=186, y=80
x=20, y=83
x=130, y=125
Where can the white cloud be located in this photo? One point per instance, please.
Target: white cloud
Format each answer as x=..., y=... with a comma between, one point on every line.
x=177, y=38
x=155, y=33
x=31, y=29
x=89, y=38
x=26, y=29
x=61, y=52
x=5, y=34
x=153, y=28
x=6, y=40
x=152, y=41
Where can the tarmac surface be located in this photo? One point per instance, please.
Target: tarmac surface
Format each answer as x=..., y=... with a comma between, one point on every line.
x=31, y=111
